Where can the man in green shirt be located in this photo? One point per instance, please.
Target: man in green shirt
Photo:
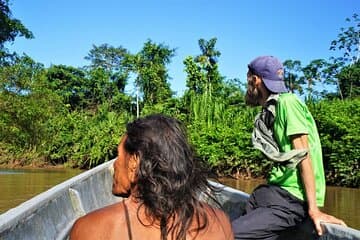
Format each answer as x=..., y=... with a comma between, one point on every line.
x=292, y=193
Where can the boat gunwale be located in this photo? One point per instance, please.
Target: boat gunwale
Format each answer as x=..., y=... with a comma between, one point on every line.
x=14, y=215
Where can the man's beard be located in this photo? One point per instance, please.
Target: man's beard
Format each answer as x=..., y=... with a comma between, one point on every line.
x=253, y=96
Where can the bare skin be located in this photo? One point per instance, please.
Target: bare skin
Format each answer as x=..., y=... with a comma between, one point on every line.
x=110, y=222
x=258, y=89
x=308, y=179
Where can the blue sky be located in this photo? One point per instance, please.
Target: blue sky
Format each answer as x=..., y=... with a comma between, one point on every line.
x=65, y=30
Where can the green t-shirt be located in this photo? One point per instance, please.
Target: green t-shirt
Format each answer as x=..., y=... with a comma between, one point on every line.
x=293, y=117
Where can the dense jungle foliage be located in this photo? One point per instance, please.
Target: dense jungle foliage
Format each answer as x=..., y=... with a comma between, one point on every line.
x=75, y=116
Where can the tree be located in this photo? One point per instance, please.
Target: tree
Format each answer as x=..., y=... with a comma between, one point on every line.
x=100, y=91
x=206, y=89
x=307, y=79
x=69, y=83
x=233, y=92
x=149, y=65
x=312, y=74
x=349, y=79
x=195, y=80
x=330, y=75
x=292, y=76
x=10, y=28
x=348, y=42
x=19, y=76
x=26, y=103
x=208, y=65
x=110, y=59
x=203, y=77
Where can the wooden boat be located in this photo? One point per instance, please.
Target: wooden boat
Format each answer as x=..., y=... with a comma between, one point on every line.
x=51, y=214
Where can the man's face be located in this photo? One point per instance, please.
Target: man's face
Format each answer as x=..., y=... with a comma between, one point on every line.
x=253, y=95
x=121, y=181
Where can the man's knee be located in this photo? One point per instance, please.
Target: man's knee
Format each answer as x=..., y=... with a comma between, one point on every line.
x=303, y=230
x=246, y=227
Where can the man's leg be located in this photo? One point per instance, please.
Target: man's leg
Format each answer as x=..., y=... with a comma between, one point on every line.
x=270, y=210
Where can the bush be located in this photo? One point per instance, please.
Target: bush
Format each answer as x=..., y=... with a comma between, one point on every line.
x=221, y=135
x=81, y=139
x=338, y=125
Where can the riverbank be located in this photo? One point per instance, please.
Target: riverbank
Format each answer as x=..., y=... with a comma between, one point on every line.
x=33, y=165
x=38, y=165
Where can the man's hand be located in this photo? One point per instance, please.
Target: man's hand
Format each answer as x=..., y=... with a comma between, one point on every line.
x=317, y=216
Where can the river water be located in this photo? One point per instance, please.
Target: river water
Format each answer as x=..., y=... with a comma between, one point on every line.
x=17, y=186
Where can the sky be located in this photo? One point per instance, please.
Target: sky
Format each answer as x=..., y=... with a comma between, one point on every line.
x=66, y=30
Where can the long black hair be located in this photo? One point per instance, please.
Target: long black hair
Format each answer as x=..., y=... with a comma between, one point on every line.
x=169, y=178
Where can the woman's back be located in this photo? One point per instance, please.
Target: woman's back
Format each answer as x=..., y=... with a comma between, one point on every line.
x=112, y=223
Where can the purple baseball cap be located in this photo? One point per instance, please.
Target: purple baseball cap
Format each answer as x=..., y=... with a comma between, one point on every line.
x=271, y=70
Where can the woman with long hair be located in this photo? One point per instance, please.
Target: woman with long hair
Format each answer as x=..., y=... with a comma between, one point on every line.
x=157, y=172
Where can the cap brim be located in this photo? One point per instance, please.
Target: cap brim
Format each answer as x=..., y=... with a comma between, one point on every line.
x=275, y=86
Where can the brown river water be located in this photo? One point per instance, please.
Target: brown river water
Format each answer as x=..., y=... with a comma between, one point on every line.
x=17, y=186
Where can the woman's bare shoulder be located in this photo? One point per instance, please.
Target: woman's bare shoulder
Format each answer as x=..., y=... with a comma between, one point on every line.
x=97, y=223
x=219, y=224
x=214, y=211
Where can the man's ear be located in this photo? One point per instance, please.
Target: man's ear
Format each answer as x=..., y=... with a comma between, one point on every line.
x=257, y=80
x=134, y=162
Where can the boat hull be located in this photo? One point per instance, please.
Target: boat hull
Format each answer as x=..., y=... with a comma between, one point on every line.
x=51, y=214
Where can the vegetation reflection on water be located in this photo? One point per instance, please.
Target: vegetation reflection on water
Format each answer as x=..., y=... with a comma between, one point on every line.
x=17, y=186
x=339, y=201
